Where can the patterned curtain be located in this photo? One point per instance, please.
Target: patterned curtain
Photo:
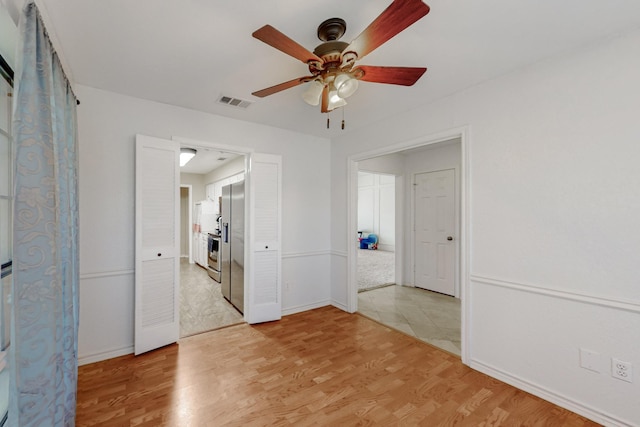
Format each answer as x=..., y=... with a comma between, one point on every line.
x=43, y=350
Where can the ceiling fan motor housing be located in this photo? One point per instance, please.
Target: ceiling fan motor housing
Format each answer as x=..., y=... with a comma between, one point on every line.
x=330, y=51
x=332, y=29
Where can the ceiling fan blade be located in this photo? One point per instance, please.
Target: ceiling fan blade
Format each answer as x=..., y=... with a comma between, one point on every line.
x=399, y=15
x=278, y=88
x=276, y=39
x=405, y=76
x=325, y=100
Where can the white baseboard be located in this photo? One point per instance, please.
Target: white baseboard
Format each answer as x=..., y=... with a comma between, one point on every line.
x=340, y=306
x=99, y=357
x=549, y=395
x=306, y=307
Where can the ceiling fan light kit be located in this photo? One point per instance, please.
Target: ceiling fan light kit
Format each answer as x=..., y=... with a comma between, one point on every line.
x=345, y=84
x=312, y=95
x=334, y=75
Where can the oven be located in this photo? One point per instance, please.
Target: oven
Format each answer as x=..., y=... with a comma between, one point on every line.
x=213, y=257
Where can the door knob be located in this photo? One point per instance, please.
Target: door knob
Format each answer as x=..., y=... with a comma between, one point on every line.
x=449, y=238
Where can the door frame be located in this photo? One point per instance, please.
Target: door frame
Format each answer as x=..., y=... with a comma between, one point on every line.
x=464, y=237
x=190, y=201
x=456, y=220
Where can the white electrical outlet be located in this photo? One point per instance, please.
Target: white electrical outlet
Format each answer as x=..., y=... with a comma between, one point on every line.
x=622, y=370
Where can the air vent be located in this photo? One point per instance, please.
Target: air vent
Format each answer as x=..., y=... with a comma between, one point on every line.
x=234, y=102
x=222, y=159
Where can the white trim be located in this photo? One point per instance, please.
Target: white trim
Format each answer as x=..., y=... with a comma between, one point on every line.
x=465, y=242
x=549, y=395
x=465, y=246
x=102, y=274
x=343, y=254
x=399, y=252
x=235, y=149
x=305, y=307
x=105, y=355
x=305, y=254
x=190, y=188
x=619, y=304
x=339, y=306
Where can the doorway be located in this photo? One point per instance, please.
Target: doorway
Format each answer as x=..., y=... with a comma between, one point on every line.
x=430, y=316
x=203, y=307
x=376, y=230
x=157, y=278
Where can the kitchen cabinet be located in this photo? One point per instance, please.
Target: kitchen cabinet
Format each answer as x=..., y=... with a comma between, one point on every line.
x=200, y=241
x=214, y=189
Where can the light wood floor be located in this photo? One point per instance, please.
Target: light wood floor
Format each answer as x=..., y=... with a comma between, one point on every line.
x=323, y=368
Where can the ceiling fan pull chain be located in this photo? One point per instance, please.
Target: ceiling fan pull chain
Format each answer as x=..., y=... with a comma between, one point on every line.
x=328, y=121
x=343, y=118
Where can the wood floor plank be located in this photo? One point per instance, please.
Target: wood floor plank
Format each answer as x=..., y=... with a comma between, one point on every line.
x=323, y=367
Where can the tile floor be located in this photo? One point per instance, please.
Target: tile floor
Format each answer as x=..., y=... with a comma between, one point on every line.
x=202, y=306
x=428, y=316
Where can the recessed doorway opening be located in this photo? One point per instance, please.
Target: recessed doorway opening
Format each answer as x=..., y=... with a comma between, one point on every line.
x=425, y=299
x=203, y=306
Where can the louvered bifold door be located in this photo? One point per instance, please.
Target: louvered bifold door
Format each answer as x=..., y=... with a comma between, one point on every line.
x=157, y=321
x=265, y=206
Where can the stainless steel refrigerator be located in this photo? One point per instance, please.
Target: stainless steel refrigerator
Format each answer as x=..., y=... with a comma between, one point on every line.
x=232, y=244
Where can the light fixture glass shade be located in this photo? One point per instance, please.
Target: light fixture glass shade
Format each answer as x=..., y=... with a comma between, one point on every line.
x=346, y=85
x=186, y=154
x=312, y=95
x=335, y=101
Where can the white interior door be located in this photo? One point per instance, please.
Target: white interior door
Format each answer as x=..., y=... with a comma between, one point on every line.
x=157, y=285
x=434, y=231
x=263, y=301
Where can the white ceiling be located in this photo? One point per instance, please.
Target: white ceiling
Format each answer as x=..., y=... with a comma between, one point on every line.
x=189, y=52
x=206, y=160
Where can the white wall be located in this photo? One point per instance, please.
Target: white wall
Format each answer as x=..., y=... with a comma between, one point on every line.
x=391, y=164
x=553, y=205
x=107, y=125
x=197, y=183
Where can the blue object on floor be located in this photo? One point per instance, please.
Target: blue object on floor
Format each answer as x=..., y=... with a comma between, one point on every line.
x=368, y=242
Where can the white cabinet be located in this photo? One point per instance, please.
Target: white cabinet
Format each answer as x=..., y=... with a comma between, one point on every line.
x=200, y=242
x=210, y=191
x=214, y=190
x=196, y=248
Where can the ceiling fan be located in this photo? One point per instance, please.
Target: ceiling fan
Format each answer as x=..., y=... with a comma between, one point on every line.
x=334, y=75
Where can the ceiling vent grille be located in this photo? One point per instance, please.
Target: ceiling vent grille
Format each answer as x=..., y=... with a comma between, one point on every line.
x=234, y=102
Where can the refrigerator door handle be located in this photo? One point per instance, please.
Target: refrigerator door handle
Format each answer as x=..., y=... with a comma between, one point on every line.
x=225, y=232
